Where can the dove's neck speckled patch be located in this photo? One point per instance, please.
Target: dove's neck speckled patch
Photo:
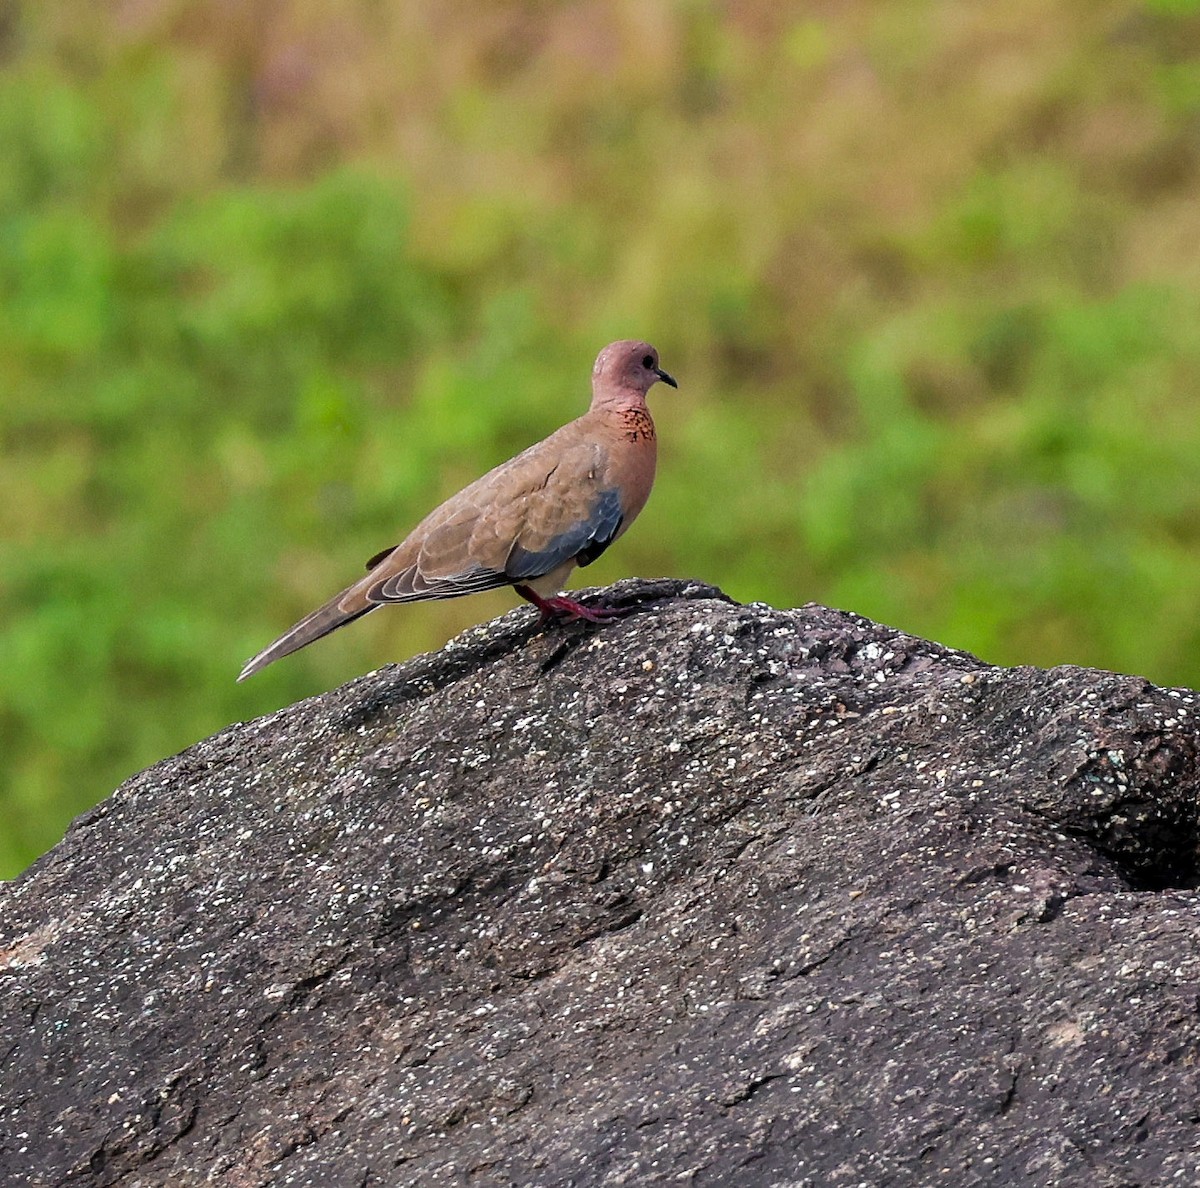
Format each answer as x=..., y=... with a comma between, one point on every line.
x=637, y=425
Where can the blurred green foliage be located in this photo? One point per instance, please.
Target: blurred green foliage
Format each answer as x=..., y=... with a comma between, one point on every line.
x=275, y=278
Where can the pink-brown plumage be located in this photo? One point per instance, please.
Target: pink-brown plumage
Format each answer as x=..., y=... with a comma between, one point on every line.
x=527, y=523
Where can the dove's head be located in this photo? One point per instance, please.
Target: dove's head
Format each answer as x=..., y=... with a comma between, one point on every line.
x=626, y=367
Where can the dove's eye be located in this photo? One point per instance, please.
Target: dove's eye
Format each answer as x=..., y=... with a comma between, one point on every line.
x=648, y=361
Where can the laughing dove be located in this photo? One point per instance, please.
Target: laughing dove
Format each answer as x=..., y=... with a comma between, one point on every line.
x=529, y=522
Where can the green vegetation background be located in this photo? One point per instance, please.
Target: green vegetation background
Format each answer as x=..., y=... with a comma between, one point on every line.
x=274, y=278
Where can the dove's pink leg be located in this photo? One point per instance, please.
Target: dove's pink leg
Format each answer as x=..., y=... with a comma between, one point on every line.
x=566, y=610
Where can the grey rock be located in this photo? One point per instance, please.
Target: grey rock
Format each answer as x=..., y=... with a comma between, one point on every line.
x=713, y=895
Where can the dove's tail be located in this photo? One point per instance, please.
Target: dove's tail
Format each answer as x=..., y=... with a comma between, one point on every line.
x=330, y=617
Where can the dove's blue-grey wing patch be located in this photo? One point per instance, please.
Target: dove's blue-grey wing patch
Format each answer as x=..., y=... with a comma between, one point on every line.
x=582, y=542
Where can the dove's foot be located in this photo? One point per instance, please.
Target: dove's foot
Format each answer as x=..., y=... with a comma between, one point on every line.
x=559, y=609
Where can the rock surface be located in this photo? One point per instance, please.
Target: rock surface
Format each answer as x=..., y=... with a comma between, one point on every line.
x=713, y=895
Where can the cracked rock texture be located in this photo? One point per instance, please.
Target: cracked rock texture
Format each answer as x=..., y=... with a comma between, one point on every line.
x=713, y=895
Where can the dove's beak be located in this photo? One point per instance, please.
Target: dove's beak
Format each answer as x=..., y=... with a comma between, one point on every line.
x=666, y=379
